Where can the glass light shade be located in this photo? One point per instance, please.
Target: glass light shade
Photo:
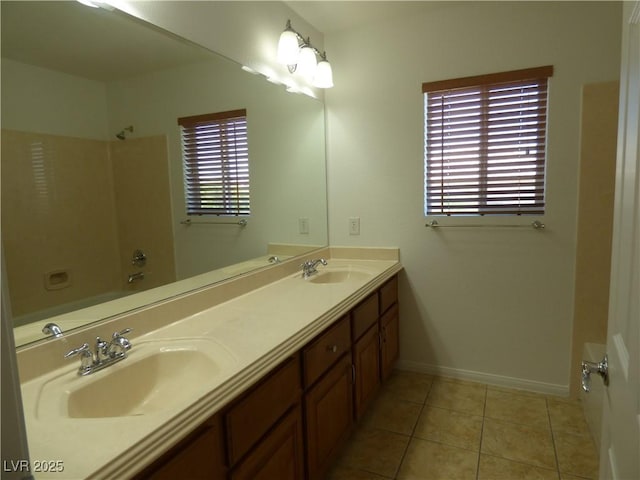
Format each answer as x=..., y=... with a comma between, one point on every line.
x=324, y=75
x=307, y=63
x=288, y=48
x=88, y=3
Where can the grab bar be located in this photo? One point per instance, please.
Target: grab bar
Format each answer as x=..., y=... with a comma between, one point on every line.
x=188, y=221
x=536, y=224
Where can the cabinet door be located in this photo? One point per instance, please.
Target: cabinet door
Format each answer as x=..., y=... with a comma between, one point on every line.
x=390, y=341
x=366, y=353
x=278, y=456
x=329, y=416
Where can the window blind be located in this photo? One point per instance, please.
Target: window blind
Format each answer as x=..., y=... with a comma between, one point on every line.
x=216, y=163
x=485, y=144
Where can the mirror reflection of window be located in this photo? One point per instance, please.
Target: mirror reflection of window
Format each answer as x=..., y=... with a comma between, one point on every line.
x=215, y=156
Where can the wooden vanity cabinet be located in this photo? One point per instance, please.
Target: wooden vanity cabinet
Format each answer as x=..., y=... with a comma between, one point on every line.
x=291, y=424
x=198, y=457
x=328, y=398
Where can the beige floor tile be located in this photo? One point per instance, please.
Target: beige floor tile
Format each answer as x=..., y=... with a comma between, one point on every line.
x=567, y=416
x=577, y=454
x=515, y=408
x=462, y=397
x=374, y=450
x=449, y=426
x=516, y=391
x=495, y=468
x=521, y=443
x=409, y=386
x=459, y=381
x=427, y=460
x=393, y=414
x=347, y=473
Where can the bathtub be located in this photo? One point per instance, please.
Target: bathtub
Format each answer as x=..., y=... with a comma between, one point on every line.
x=592, y=401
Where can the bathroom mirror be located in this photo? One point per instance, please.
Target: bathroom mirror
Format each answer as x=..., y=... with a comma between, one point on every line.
x=92, y=166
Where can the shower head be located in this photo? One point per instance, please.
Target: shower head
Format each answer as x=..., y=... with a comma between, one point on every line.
x=121, y=135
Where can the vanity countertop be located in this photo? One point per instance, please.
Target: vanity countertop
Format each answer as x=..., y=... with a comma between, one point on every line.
x=252, y=333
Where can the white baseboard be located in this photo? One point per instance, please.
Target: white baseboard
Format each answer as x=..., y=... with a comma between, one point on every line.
x=487, y=378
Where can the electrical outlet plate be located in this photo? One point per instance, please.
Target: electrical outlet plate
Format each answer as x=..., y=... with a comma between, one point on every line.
x=354, y=226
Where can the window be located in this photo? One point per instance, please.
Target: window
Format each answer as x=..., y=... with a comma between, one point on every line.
x=485, y=140
x=216, y=163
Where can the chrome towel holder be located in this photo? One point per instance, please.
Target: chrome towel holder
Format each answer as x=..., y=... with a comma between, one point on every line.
x=536, y=225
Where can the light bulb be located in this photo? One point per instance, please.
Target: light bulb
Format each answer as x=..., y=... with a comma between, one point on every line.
x=288, y=48
x=324, y=75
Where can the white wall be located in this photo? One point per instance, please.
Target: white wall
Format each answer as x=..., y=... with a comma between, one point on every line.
x=39, y=100
x=489, y=304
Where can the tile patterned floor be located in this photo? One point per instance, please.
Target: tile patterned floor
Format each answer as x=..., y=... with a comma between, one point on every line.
x=426, y=428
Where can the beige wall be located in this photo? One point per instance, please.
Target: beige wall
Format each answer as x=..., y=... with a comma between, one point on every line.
x=486, y=304
x=595, y=218
x=79, y=207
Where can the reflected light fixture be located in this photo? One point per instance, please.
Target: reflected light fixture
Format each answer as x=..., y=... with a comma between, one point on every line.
x=301, y=57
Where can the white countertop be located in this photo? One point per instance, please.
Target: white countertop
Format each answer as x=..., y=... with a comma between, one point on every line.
x=257, y=331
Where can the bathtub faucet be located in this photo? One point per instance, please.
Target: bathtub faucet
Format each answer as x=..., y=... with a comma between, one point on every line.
x=135, y=277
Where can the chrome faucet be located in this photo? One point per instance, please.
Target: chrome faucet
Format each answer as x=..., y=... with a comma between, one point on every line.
x=309, y=267
x=104, y=354
x=52, y=329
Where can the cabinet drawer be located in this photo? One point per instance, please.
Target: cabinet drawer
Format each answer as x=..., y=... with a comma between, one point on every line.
x=325, y=350
x=364, y=315
x=198, y=457
x=278, y=456
x=258, y=410
x=388, y=294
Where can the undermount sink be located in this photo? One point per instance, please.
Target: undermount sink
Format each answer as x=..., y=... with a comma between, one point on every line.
x=340, y=276
x=153, y=379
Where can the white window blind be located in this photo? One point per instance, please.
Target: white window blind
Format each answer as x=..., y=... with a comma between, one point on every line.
x=485, y=144
x=216, y=163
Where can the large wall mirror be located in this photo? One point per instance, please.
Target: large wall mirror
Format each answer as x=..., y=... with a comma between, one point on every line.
x=92, y=167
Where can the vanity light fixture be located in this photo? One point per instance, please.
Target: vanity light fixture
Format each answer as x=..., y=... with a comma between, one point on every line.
x=300, y=56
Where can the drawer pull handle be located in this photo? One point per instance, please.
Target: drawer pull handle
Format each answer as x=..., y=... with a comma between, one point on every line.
x=332, y=348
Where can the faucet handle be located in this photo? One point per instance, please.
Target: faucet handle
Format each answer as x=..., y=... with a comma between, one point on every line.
x=119, y=343
x=121, y=333
x=82, y=350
